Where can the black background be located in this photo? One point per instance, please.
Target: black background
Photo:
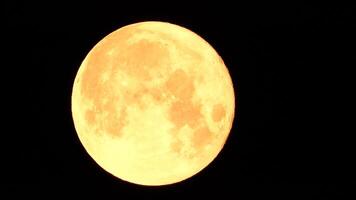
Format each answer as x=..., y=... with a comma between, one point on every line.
x=291, y=65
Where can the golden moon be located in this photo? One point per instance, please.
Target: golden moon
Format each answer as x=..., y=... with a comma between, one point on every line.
x=153, y=103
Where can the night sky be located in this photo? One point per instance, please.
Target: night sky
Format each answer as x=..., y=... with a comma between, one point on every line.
x=291, y=68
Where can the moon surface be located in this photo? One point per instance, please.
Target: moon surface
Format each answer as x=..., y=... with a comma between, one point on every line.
x=153, y=103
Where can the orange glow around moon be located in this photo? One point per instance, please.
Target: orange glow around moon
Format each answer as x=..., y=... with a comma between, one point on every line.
x=153, y=103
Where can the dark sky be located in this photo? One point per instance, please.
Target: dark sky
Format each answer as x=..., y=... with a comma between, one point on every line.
x=290, y=64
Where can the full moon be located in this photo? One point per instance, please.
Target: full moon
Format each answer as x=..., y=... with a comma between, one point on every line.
x=153, y=103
